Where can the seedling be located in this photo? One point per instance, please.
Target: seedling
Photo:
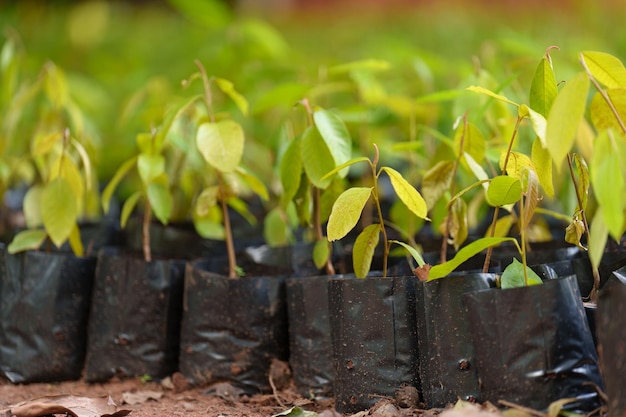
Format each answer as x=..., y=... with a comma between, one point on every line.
x=349, y=206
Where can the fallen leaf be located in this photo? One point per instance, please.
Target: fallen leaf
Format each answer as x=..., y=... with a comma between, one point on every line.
x=140, y=397
x=66, y=404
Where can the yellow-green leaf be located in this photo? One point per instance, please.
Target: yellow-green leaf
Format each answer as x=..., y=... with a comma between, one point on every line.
x=363, y=250
x=346, y=211
x=583, y=180
x=407, y=193
x=75, y=242
x=321, y=252
x=605, y=68
x=206, y=200
x=473, y=142
x=466, y=252
x=516, y=164
x=221, y=144
x=254, y=183
x=458, y=229
x=228, y=88
x=128, y=207
x=602, y=116
x=161, y=201
x=84, y=157
x=316, y=158
x=59, y=210
x=516, y=275
x=70, y=172
x=42, y=144
x=504, y=190
x=112, y=185
x=27, y=240
x=32, y=206
x=502, y=228
x=542, y=162
x=565, y=116
x=150, y=167
x=482, y=90
x=276, y=230
x=543, y=89
x=414, y=253
x=436, y=181
x=336, y=136
x=598, y=236
x=290, y=171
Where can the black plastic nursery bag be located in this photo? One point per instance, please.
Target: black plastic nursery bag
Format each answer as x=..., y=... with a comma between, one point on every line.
x=232, y=328
x=611, y=322
x=446, y=351
x=135, y=317
x=533, y=345
x=43, y=315
x=374, y=339
x=310, y=345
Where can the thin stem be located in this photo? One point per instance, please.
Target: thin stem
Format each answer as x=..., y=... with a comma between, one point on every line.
x=523, y=239
x=496, y=210
x=208, y=98
x=145, y=232
x=593, y=296
x=379, y=209
x=230, y=246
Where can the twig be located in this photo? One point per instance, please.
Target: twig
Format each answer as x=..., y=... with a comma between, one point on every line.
x=275, y=393
x=522, y=408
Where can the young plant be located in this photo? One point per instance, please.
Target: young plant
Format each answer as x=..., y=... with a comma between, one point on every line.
x=153, y=189
x=221, y=144
x=324, y=144
x=348, y=208
x=53, y=207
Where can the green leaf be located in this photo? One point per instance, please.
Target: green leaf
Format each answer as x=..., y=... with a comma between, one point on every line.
x=436, y=181
x=363, y=250
x=583, y=180
x=321, y=252
x=295, y=412
x=335, y=135
x=316, y=158
x=27, y=240
x=608, y=183
x=601, y=114
x=543, y=89
x=502, y=227
x=150, y=167
x=276, y=230
x=466, y=252
x=365, y=64
x=539, y=124
x=241, y=208
x=84, y=157
x=283, y=95
x=605, y=68
x=504, y=190
x=513, y=276
x=171, y=116
x=254, y=183
x=290, y=171
x=228, y=88
x=346, y=211
x=70, y=172
x=206, y=200
x=482, y=90
x=598, y=236
x=347, y=164
x=407, y=193
x=59, y=210
x=565, y=116
x=414, y=253
x=112, y=185
x=161, y=201
x=128, y=207
x=221, y=144
x=540, y=158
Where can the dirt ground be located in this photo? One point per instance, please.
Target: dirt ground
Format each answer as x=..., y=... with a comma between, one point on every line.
x=165, y=398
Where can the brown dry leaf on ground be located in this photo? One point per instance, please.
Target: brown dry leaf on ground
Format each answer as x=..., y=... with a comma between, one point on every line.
x=66, y=404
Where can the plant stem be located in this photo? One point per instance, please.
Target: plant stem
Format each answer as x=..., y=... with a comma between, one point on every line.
x=496, y=210
x=145, y=232
x=593, y=296
x=208, y=98
x=379, y=209
x=230, y=246
x=523, y=240
x=330, y=269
